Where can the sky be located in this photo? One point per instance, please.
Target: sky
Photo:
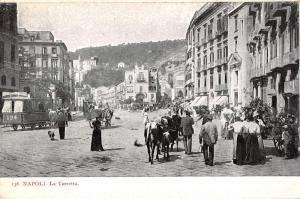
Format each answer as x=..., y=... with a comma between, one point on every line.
x=85, y=24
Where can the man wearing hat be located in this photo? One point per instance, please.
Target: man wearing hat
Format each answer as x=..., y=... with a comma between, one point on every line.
x=209, y=135
x=186, y=126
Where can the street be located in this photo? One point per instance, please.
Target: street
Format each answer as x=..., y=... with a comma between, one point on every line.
x=30, y=153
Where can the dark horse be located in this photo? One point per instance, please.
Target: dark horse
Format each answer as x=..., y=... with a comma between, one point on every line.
x=153, y=139
x=172, y=125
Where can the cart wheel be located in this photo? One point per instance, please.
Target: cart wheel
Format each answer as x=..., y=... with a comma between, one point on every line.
x=15, y=127
x=23, y=126
x=40, y=125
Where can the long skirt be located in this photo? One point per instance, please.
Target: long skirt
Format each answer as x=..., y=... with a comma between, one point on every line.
x=252, y=150
x=235, y=135
x=240, y=150
x=96, y=144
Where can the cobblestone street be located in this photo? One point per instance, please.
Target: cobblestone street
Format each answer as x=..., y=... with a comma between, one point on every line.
x=30, y=153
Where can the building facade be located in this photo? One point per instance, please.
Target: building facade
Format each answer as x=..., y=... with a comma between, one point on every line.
x=274, y=49
x=206, y=70
x=238, y=52
x=138, y=85
x=45, y=60
x=9, y=65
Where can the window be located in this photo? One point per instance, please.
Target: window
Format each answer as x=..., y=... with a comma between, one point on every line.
x=211, y=57
x=31, y=38
x=141, y=88
x=226, y=77
x=242, y=26
x=225, y=51
x=13, y=81
x=235, y=44
x=198, y=83
x=1, y=20
x=45, y=63
x=12, y=22
x=1, y=52
x=219, y=55
x=141, y=76
x=235, y=23
x=219, y=78
x=198, y=74
x=211, y=81
x=198, y=34
x=237, y=78
x=205, y=81
x=296, y=36
x=44, y=51
x=54, y=51
x=13, y=53
x=3, y=80
x=53, y=63
x=205, y=60
x=204, y=31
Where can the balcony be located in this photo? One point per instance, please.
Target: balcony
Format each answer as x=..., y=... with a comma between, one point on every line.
x=292, y=87
x=221, y=87
x=218, y=62
x=274, y=63
x=53, y=55
x=140, y=80
x=210, y=36
x=224, y=60
x=202, y=90
x=270, y=91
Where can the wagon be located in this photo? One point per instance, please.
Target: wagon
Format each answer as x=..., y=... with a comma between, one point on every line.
x=20, y=110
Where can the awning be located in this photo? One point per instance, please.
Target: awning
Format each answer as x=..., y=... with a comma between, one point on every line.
x=202, y=101
x=214, y=101
x=194, y=101
x=223, y=100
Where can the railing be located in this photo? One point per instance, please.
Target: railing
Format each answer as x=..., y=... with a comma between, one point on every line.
x=202, y=89
x=140, y=80
x=221, y=87
x=292, y=86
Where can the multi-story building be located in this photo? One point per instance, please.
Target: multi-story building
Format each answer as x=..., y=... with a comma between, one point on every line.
x=274, y=50
x=178, y=91
x=120, y=93
x=206, y=71
x=153, y=82
x=9, y=67
x=239, y=30
x=43, y=58
x=137, y=83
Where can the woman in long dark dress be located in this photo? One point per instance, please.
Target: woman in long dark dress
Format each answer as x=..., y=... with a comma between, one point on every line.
x=96, y=144
x=252, y=131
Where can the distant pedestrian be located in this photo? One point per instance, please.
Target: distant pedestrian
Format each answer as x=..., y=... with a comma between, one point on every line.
x=209, y=136
x=187, y=131
x=62, y=122
x=288, y=138
x=96, y=144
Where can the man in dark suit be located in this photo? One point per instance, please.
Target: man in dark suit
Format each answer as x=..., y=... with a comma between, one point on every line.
x=209, y=135
x=187, y=131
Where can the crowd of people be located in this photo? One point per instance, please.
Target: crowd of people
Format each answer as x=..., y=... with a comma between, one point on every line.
x=244, y=129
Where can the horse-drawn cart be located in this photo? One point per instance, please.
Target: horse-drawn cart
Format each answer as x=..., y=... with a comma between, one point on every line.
x=105, y=115
x=20, y=110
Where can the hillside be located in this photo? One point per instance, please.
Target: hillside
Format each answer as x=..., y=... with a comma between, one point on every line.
x=150, y=53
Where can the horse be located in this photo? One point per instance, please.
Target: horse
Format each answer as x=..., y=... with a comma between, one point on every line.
x=52, y=117
x=153, y=139
x=172, y=125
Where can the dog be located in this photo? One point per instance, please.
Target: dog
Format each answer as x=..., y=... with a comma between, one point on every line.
x=51, y=135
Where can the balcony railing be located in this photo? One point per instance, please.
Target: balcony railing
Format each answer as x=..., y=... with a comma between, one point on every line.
x=221, y=87
x=202, y=89
x=292, y=86
x=140, y=80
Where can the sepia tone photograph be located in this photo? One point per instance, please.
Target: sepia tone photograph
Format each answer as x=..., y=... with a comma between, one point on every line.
x=131, y=89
